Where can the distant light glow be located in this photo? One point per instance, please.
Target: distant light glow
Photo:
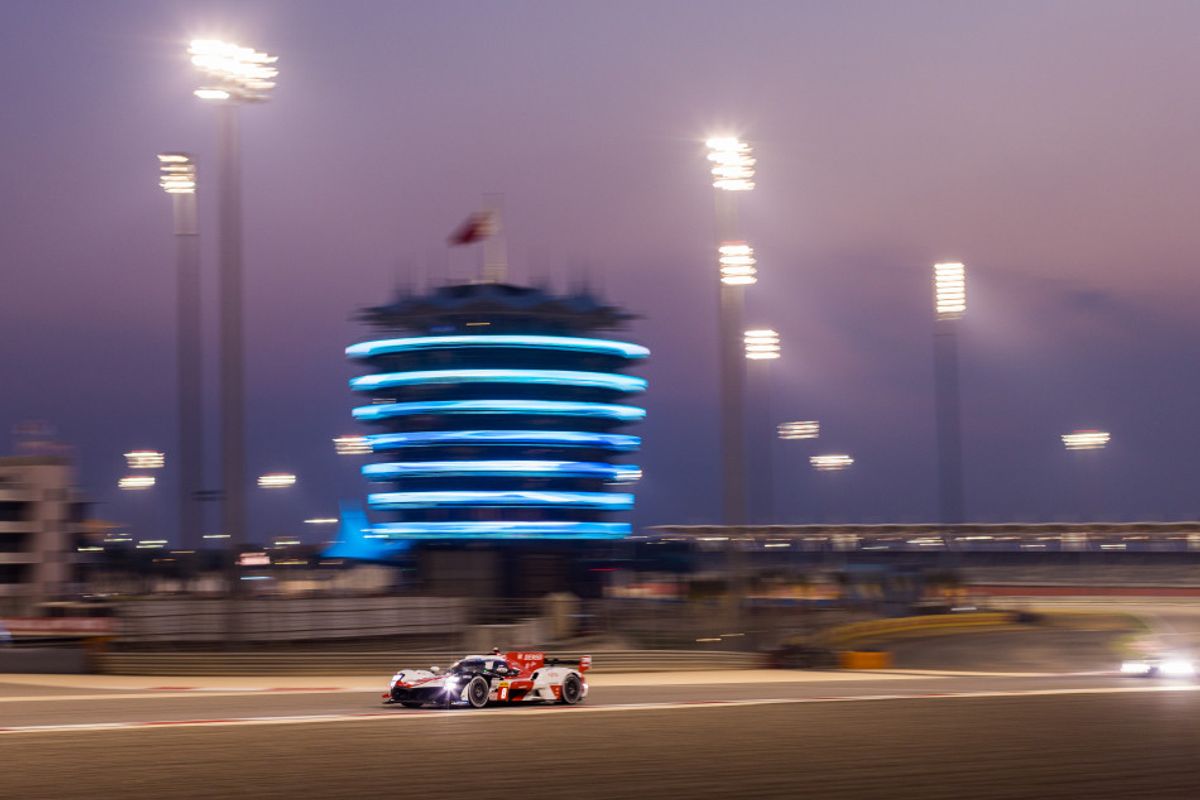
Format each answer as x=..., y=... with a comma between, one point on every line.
x=130, y=482
x=950, y=289
x=600, y=441
x=145, y=459
x=276, y=480
x=176, y=173
x=761, y=344
x=801, y=429
x=557, y=377
x=321, y=521
x=556, y=408
x=351, y=445
x=233, y=71
x=215, y=536
x=570, y=343
x=737, y=264
x=527, y=468
x=497, y=529
x=733, y=164
x=612, y=501
x=831, y=462
x=1086, y=440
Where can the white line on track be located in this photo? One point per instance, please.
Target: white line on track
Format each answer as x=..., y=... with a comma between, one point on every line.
x=415, y=716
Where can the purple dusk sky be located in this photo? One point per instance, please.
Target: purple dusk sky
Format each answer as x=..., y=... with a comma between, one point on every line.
x=1049, y=145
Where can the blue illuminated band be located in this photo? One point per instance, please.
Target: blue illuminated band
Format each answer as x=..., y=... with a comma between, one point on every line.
x=578, y=344
x=556, y=408
x=495, y=529
x=555, y=377
x=600, y=441
x=611, y=501
x=502, y=468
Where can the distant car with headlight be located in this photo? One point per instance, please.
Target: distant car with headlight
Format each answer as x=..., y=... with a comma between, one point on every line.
x=1159, y=667
x=503, y=678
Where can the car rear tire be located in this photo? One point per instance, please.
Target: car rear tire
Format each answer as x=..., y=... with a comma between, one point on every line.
x=477, y=692
x=572, y=691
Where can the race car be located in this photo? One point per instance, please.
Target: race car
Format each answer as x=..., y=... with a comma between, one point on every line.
x=1159, y=667
x=475, y=681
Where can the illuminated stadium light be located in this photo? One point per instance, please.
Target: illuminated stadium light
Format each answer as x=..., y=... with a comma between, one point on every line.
x=613, y=501
x=176, y=173
x=521, y=468
x=233, y=72
x=554, y=377
x=321, y=521
x=132, y=482
x=351, y=445
x=733, y=164
x=276, y=480
x=831, y=462
x=950, y=289
x=145, y=459
x=761, y=344
x=500, y=529
x=556, y=408
x=737, y=264
x=569, y=343
x=801, y=429
x=1086, y=440
x=600, y=441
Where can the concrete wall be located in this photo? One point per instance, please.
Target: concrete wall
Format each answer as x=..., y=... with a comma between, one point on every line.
x=44, y=660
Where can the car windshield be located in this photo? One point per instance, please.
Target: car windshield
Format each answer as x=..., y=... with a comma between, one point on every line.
x=467, y=665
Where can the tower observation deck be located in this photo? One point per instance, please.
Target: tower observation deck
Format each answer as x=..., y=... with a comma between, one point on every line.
x=498, y=412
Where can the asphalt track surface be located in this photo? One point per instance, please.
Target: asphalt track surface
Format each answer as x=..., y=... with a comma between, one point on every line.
x=820, y=736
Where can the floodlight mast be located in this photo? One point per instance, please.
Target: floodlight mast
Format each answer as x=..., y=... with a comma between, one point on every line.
x=177, y=177
x=233, y=75
x=950, y=304
x=732, y=173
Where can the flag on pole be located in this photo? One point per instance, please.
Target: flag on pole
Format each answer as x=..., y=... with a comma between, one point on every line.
x=476, y=228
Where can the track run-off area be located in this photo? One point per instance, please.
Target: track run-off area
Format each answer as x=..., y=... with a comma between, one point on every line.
x=729, y=734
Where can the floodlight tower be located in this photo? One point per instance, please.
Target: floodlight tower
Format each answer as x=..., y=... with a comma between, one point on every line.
x=233, y=76
x=762, y=349
x=177, y=177
x=950, y=303
x=732, y=173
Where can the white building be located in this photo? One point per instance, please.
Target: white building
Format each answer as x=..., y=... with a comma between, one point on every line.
x=41, y=526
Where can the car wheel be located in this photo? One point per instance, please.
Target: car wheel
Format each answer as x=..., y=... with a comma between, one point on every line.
x=572, y=690
x=477, y=692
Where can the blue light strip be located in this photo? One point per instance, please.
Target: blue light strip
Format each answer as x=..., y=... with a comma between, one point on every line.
x=555, y=377
x=611, y=501
x=573, y=343
x=600, y=441
x=502, y=468
x=555, y=408
x=494, y=529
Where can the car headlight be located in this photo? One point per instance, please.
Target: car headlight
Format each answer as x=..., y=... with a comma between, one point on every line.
x=395, y=679
x=1134, y=667
x=451, y=684
x=1177, y=668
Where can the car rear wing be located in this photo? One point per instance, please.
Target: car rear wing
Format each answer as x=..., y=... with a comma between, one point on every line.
x=584, y=663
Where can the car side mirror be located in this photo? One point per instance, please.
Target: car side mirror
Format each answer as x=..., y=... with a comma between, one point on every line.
x=435, y=670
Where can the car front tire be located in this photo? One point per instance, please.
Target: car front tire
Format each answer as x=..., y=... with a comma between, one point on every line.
x=477, y=692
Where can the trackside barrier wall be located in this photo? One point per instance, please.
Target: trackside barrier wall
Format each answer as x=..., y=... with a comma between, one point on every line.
x=914, y=626
x=289, y=619
x=382, y=664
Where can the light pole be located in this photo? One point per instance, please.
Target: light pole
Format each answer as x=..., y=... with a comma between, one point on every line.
x=761, y=348
x=732, y=173
x=233, y=76
x=177, y=177
x=1079, y=440
x=950, y=303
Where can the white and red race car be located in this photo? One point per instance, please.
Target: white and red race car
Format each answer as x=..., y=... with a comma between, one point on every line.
x=475, y=681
